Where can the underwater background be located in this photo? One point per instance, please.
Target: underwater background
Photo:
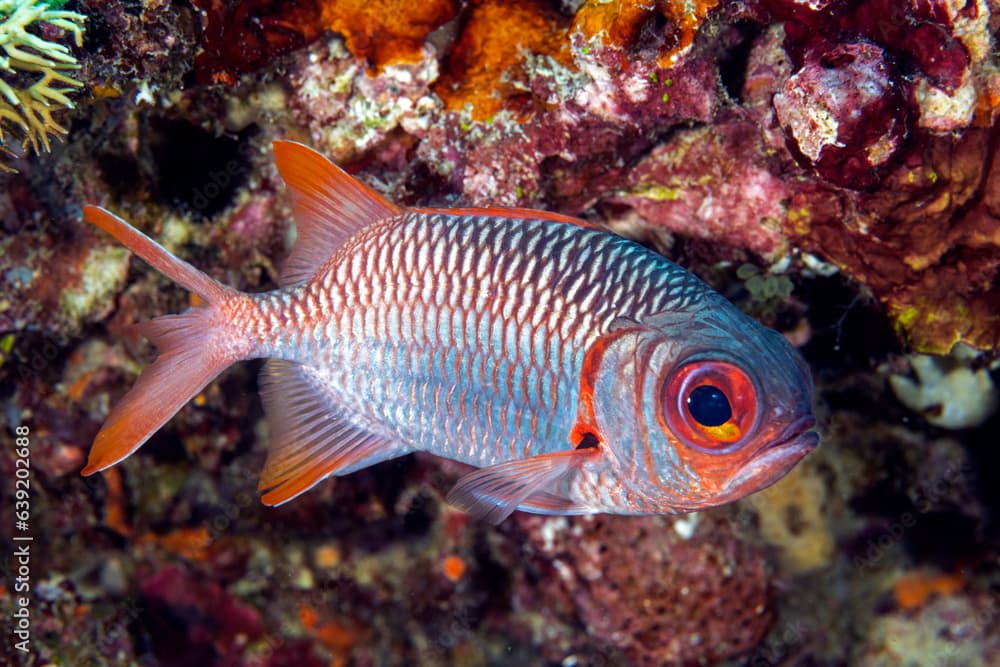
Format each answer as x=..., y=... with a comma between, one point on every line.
x=828, y=165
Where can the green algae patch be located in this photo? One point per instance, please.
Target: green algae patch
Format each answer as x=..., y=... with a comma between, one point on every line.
x=657, y=192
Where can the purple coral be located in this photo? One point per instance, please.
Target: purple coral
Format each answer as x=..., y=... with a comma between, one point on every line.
x=843, y=113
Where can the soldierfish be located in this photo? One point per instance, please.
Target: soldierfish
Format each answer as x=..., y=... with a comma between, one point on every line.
x=578, y=371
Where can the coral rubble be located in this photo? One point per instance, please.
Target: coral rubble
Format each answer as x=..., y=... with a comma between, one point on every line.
x=921, y=237
x=844, y=113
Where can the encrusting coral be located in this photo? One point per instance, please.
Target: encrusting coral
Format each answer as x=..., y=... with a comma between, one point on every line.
x=33, y=78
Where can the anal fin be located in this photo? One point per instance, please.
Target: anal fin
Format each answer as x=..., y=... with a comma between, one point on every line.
x=312, y=437
x=494, y=492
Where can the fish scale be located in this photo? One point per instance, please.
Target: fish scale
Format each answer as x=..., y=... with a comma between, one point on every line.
x=559, y=358
x=503, y=415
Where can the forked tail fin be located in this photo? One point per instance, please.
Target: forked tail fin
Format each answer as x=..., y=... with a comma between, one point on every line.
x=159, y=257
x=195, y=346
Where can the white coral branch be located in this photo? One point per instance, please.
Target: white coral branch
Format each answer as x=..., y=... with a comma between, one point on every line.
x=29, y=108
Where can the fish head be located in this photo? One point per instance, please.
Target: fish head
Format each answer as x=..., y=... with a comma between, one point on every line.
x=699, y=409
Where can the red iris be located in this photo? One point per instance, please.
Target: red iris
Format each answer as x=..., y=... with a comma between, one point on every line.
x=710, y=405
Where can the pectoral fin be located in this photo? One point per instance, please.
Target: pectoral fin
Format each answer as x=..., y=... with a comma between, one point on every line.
x=494, y=492
x=543, y=502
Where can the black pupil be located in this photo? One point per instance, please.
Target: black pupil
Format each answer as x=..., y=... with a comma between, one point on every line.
x=709, y=406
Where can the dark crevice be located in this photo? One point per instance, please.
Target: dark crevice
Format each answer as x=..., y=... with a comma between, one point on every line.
x=734, y=60
x=196, y=172
x=850, y=330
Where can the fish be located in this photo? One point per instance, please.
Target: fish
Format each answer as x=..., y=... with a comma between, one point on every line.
x=577, y=371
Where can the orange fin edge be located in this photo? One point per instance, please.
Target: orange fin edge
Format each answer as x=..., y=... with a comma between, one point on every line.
x=329, y=206
x=312, y=437
x=190, y=357
x=513, y=212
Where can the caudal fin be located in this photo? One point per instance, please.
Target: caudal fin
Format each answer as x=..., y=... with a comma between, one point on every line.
x=193, y=350
x=176, y=269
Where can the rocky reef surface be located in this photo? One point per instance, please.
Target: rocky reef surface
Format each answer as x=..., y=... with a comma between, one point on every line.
x=829, y=165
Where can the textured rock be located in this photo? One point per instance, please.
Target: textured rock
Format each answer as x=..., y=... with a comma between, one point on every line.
x=701, y=596
x=844, y=114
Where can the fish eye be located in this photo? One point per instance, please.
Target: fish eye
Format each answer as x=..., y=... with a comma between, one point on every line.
x=710, y=405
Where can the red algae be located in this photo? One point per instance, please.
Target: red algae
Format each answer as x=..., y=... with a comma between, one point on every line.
x=713, y=184
x=244, y=36
x=844, y=113
x=195, y=621
x=926, y=243
x=699, y=599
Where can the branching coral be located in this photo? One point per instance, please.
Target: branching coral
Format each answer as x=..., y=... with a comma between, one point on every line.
x=33, y=70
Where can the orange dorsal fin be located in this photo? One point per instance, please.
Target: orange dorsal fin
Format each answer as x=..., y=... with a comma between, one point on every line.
x=329, y=206
x=508, y=212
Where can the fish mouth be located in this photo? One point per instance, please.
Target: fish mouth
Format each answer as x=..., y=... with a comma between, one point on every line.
x=775, y=460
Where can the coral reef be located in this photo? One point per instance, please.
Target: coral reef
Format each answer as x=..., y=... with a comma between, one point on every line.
x=720, y=608
x=34, y=79
x=349, y=113
x=956, y=391
x=828, y=165
x=949, y=630
x=487, y=63
x=698, y=185
x=923, y=240
x=623, y=25
x=383, y=31
x=844, y=113
x=242, y=37
x=792, y=519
